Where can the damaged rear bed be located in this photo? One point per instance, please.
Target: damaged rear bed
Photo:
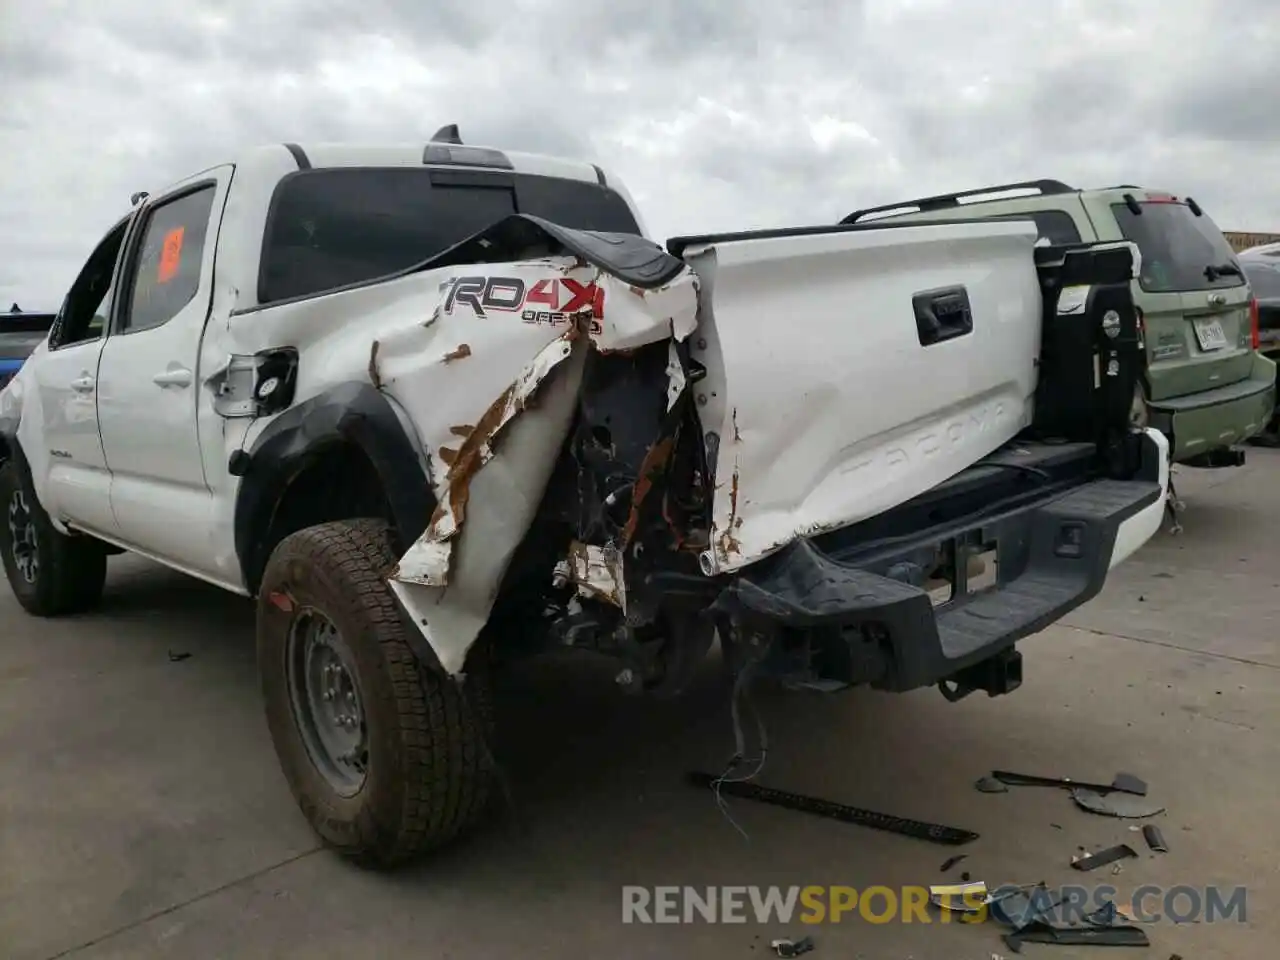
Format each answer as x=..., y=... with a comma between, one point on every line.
x=888, y=452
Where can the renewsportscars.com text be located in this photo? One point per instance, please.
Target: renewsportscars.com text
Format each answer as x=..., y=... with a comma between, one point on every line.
x=882, y=904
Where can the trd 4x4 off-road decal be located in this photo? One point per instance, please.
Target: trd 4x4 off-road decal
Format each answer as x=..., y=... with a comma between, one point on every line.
x=553, y=301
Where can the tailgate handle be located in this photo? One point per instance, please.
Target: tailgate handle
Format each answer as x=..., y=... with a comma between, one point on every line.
x=942, y=314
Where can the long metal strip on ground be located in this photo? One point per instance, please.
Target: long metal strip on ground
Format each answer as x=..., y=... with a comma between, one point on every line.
x=933, y=832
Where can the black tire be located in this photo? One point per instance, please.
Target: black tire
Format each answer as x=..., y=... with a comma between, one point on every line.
x=426, y=767
x=68, y=572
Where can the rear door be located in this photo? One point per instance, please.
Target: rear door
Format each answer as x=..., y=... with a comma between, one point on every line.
x=1196, y=315
x=147, y=388
x=61, y=439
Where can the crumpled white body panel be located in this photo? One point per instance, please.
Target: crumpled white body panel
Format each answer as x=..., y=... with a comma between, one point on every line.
x=828, y=408
x=492, y=389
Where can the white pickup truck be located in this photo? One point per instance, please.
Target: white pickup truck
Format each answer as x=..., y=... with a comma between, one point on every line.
x=439, y=405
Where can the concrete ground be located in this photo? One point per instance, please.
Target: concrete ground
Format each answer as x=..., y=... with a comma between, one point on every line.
x=142, y=813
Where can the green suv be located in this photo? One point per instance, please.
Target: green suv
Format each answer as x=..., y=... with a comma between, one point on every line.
x=1205, y=387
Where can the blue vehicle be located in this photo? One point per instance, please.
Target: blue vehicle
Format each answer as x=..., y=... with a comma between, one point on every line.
x=20, y=333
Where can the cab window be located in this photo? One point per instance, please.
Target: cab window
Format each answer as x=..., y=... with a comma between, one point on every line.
x=84, y=313
x=166, y=270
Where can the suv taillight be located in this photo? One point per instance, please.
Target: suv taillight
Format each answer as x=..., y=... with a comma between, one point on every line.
x=1253, y=322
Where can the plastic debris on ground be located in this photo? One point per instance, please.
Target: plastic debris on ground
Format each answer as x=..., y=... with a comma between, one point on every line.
x=1041, y=931
x=960, y=897
x=1121, y=805
x=1018, y=906
x=1122, y=782
x=1091, y=861
x=1029, y=912
x=991, y=785
x=1155, y=839
x=792, y=948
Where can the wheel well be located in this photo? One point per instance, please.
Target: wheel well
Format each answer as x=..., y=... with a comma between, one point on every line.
x=337, y=482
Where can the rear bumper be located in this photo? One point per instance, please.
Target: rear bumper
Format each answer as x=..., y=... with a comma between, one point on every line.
x=869, y=619
x=1228, y=415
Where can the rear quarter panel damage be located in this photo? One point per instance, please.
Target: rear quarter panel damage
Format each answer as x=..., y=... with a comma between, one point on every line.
x=490, y=374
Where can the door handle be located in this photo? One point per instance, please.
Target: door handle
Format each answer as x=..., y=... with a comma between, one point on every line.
x=83, y=384
x=173, y=377
x=942, y=314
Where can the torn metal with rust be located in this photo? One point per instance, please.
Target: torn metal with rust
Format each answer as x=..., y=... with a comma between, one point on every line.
x=515, y=386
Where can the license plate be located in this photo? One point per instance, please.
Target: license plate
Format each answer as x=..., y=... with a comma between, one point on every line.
x=1210, y=335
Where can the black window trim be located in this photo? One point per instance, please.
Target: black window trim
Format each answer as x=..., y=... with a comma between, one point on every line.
x=125, y=224
x=127, y=274
x=484, y=179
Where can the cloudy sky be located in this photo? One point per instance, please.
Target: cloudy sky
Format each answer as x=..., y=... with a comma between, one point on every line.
x=719, y=114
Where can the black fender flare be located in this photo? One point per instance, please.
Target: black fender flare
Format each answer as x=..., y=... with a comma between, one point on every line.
x=352, y=413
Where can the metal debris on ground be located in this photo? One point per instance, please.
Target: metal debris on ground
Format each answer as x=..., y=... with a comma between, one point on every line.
x=1041, y=931
x=1122, y=782
x=1155, y=839
x=1121, y=851
x=1116, y=804
x=1107, y=915
x=792, y=948
x=1018, y=906
x=951, y=862
x=990, y=785
x=903, y=826
x=178, y=657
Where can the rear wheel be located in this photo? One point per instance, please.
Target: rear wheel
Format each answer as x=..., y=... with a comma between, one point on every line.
x=387, y=759
x=51, y=573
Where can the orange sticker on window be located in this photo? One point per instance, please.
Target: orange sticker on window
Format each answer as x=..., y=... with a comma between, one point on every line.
x=170, y=256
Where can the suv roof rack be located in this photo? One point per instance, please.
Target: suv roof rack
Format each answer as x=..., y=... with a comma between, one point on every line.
x=947, y=200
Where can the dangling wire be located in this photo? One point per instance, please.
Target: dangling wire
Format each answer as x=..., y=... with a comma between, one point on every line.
x=741, y=694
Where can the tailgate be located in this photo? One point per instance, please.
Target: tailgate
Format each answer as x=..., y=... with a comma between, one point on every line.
x=851, y=369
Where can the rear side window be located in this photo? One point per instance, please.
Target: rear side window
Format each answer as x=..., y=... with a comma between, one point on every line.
x=167, y=273
x=1056, y=226
x=1180, y=251
x=330, y=228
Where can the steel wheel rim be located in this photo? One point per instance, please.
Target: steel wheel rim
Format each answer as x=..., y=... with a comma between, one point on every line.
x=22, y=538
x=327, y=704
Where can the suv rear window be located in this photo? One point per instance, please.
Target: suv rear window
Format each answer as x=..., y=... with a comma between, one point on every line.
x=1177, y=247
x=329, y=228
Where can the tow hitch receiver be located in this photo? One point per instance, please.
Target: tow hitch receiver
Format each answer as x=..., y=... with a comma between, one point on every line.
x=996, y=675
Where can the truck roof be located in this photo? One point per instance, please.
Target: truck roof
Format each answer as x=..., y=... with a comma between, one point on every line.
x=445, y=148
